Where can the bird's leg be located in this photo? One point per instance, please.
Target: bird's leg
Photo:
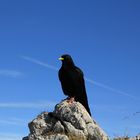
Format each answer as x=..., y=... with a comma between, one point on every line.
x=70, y=99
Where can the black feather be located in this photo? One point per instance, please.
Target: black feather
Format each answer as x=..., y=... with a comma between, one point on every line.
x=72, y=81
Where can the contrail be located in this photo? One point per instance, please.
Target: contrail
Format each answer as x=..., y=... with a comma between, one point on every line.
x=39, y=63
x=87, y=79
x=110, y=88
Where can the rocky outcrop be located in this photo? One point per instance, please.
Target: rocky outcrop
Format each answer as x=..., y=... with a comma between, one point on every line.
x=137, y=137
x=66, y=122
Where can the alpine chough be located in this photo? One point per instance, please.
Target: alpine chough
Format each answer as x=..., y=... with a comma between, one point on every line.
x=72, y=81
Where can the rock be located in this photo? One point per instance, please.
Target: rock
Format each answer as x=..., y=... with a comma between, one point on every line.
x=137, y=137
x=25, y=138
x=66, y=122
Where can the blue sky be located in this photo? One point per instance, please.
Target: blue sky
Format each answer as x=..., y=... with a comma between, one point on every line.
x=103, y=38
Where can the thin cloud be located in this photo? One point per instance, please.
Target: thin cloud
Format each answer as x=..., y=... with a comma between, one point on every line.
x=39, y=63
x=110, y=88
x=28, y=105
x=87, y=79
x=131, y=115
x=10, y=122
x=137, y=126
x=9, y=136
x=10, y=73
x=108, y=108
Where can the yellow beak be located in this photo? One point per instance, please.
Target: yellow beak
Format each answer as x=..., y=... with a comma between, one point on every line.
x=61, y=58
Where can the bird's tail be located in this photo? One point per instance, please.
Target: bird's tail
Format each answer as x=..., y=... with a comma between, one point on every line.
x=84, y=102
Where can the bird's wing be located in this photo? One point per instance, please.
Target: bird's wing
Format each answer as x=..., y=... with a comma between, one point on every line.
x=78, y=80
x=65, y=83
x=59, y=74
x=61, y=78
x=80, y=75
x=81, y=90
x=79, y=71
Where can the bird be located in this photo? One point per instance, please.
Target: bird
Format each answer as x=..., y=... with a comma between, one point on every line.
x=72, y=81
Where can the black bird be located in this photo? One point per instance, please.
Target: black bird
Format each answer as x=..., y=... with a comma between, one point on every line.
x=72, y=81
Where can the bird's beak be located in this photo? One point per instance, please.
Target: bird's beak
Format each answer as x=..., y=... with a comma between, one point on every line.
x=61, y=58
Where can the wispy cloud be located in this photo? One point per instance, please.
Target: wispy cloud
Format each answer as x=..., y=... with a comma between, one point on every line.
x=10, y=136
x=110, y=88
x=10, y=73
x=39, y=62
x=87, y=79
x=29, y=105
x=110, y=109
x=135, y=114
x=17, y=122
x=137, y=126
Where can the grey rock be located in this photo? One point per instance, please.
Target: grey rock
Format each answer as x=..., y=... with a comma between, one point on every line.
x=25, y=138
x=66, y=122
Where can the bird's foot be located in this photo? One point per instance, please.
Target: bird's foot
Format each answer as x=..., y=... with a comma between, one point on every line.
x=70, y=100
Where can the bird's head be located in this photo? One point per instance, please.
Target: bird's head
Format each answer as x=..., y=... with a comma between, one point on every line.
x=66, y=60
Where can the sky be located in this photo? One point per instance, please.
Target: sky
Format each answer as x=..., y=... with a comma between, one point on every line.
x=103, y=38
